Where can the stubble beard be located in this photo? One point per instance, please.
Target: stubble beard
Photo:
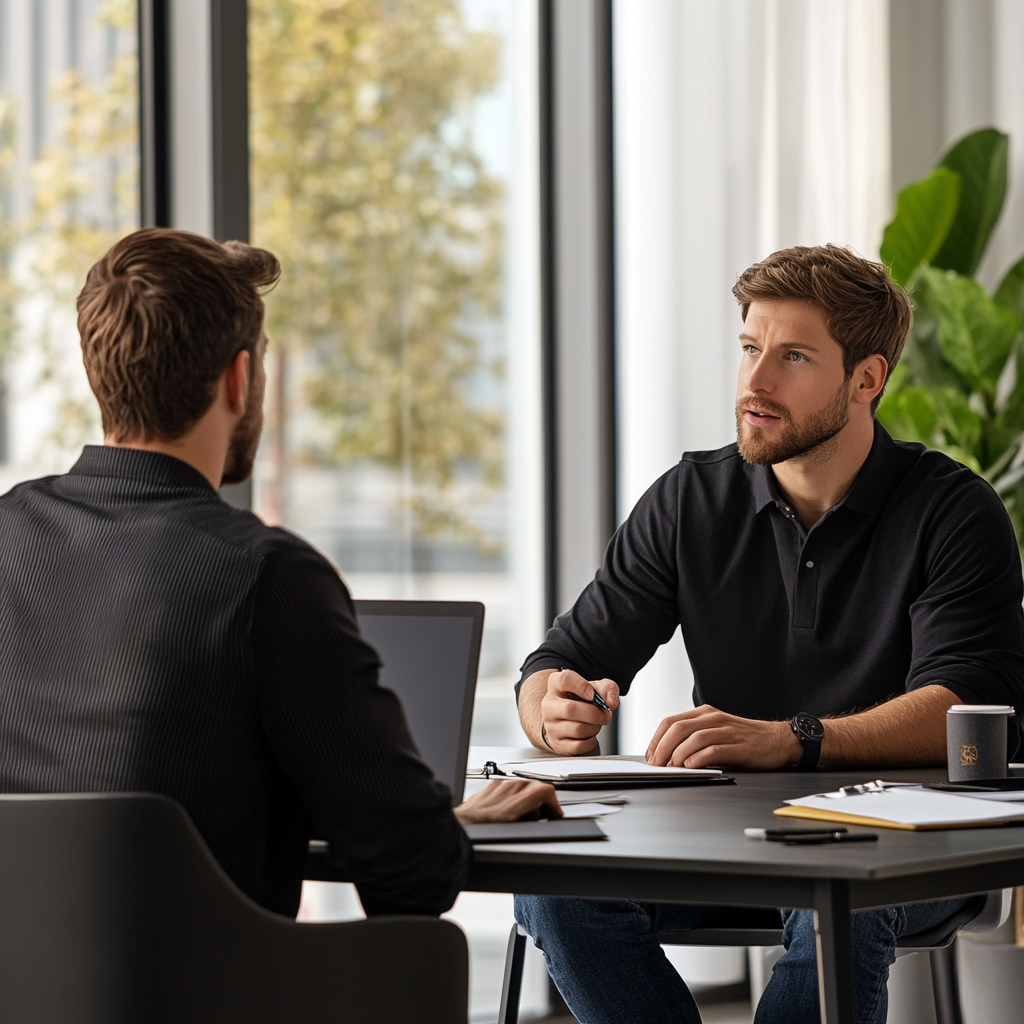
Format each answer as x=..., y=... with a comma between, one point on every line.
x=245, y=441
x=814, y=438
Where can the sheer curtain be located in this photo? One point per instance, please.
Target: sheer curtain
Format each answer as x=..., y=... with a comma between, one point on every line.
x=743, y=126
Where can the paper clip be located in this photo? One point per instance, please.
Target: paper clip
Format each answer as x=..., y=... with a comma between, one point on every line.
x=878, y=786
x=489, y=769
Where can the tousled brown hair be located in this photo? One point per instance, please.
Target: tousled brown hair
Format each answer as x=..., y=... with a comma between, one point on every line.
x=867, y=313
x=161, y=316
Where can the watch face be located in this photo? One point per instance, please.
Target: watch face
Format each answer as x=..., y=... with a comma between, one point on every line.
x=809, y=726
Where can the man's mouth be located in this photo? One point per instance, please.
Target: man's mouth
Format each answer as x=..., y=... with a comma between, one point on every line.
x=759, y=415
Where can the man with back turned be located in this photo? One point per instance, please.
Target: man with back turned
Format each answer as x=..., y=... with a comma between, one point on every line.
x=837, y=592
x=153, y=638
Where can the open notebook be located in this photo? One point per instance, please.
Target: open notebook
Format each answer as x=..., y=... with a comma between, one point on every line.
x=607, y=770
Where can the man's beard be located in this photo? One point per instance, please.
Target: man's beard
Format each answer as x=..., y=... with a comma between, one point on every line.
x=812, y=436
x=245, y=441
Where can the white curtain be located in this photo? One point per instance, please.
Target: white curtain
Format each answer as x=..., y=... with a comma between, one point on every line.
x=742, y=127
x=1006, y=73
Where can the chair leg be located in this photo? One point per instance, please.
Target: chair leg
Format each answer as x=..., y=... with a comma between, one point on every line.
x=946, y=985
x=512, y=984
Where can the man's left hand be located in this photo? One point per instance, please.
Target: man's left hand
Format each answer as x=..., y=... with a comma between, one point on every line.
x=707, y=737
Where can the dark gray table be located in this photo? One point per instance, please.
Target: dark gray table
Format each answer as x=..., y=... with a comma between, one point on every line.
x=686, y=845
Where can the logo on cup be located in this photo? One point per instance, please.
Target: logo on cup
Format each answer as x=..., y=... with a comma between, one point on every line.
x=968, y=754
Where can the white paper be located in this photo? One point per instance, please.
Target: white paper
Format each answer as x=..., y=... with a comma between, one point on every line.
x=564, y=769
x=912, y=807
x=592, y=797
x=588, y=810
x=1015, y=796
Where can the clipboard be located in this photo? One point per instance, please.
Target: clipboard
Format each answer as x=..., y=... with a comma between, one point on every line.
x=908, y=807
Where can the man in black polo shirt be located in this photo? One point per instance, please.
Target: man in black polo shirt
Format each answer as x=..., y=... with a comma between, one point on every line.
x=837, y=592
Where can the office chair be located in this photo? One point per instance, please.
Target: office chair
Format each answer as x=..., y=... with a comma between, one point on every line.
x=113, y=911
x=742, y=927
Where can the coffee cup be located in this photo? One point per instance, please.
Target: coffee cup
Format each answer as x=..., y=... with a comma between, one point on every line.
x=976, y=741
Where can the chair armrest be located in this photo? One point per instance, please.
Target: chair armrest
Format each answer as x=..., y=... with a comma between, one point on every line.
x=994, y=913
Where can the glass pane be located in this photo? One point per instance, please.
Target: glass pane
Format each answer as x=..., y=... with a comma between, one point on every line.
x=68, y=190
x=394, y=171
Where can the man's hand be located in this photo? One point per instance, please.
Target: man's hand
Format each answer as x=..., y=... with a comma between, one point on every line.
x=520, y=800
x=558, y=713
x=906, y=732
x=707, y=737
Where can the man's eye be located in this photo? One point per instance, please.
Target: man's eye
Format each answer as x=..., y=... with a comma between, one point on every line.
x=750, y=349
x=797, y=357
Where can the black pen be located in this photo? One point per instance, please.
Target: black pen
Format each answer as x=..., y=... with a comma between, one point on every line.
x=597, y=700
x=786, y=833
x=835, y=837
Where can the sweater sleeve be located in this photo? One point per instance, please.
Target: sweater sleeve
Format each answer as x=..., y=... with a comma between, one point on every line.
x=342, y=740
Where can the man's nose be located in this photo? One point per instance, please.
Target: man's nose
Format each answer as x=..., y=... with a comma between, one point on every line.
x=758, y=377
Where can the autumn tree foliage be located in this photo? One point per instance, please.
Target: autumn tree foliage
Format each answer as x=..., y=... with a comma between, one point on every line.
x=389, y=228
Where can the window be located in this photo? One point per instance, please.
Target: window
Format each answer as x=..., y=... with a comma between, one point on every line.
x=394, y=174
x=395, y=169
x=68, y=190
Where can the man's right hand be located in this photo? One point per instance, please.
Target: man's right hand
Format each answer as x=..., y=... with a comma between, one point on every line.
x=558, y=714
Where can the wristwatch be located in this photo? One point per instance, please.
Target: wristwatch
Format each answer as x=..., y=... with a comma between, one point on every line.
x=810, y=732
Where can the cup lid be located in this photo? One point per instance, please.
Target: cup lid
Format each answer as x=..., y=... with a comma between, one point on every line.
x=981, y=709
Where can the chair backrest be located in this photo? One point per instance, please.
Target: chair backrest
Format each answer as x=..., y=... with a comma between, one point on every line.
x=431, y=654
x=113, y=911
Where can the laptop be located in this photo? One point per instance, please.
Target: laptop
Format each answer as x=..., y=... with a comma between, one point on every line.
x=431, y=656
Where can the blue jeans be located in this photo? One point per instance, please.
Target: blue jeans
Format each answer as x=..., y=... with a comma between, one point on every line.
x=606, y=960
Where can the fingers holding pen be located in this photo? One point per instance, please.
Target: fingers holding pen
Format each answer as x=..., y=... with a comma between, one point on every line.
x=602, y=693
x=574, y=709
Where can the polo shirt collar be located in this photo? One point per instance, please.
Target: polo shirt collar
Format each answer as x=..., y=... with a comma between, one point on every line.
x=136, y=464
x=870, y=488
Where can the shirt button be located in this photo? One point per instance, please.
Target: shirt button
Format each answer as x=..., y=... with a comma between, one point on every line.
x=810, y=565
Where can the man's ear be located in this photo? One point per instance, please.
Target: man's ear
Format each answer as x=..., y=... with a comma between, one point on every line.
x=869, y=379
x=236, y=383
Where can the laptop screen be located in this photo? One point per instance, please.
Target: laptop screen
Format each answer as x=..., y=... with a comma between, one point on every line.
x=431, y=653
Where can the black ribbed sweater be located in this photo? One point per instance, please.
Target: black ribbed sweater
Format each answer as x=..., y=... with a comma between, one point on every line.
x=153, y=638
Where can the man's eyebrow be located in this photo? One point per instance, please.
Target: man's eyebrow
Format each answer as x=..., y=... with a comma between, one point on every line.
x=787, y=344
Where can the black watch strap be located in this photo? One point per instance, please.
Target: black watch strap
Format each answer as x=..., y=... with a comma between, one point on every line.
x=810, y=732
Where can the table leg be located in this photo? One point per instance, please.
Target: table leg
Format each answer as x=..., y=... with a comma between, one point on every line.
x=832, y=931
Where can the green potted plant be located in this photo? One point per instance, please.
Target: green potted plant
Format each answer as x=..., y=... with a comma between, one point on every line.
x=960, y=384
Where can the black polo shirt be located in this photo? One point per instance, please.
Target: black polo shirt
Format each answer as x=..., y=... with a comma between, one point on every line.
x=913, y=578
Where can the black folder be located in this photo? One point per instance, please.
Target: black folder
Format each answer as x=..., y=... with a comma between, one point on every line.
x=554, y=830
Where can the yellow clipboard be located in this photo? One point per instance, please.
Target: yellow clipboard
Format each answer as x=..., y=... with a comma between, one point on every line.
x=856, y=819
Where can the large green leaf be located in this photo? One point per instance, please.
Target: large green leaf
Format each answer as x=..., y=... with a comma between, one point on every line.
x=925, y=363
x=1012, y=411
x=975, y=333
x=1010, y=292
x=924, y=214
x=960, y=424
x=981, y=161
x=909, y=415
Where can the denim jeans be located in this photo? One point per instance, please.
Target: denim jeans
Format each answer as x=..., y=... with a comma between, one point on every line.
x=606, y=960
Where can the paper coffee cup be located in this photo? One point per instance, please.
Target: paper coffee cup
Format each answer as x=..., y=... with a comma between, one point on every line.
x=976, y=741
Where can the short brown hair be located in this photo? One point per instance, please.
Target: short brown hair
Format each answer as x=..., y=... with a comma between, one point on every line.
x=161, y=316
x=867, y=313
